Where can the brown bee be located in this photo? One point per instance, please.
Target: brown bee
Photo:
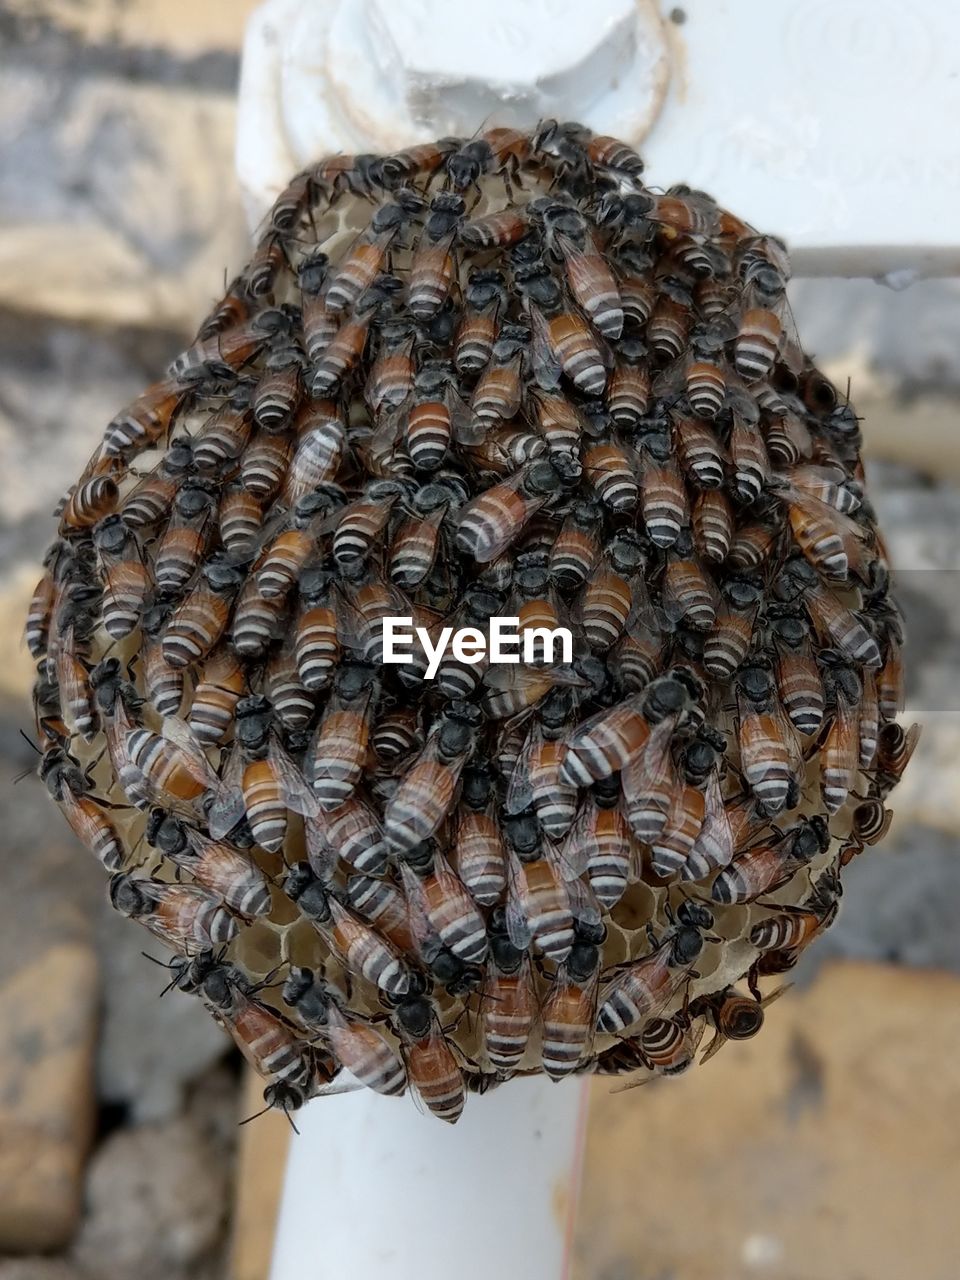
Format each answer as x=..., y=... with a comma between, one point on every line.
x=752, y=544
x=712, y=525
x=280, y=389
x=240, y=521
x=497, y=396
x=287, y=553
x=437, y=418
x=219, y=867
x=668, y=329
x=320, y=321
x=267, y=1041
x=870, y=823
x=197, y=624
x=539, y=907
x=432, y=267
x=364, y=261
x=72, y=679
x=224, y=436
x=569, y=1011
x=442, y=913
x=432, y=1069
x=494, y=230
x=628, y=391
x=663, y=495
x=264, y=465
x=497, y=150
x=509, y=1004
x=125, y=577
x=608, y=467
x=589, y=277
x=381, y=903
x=268, y=261
x=669, y=1046
x=355, y=1043
x=391, y=376
x=260, y=782
x=293, y=704
x=478, y=855
x=339, y=751
x=359, y=525
x=766, y=325
x=220, y=357
x=40, y=611
x=316, y=642
x=142, y=423
x=91, y=499
x=729, y=642
x=793, y=928
x=687, y=592
x=232, y=309
x=766, y=866
x=536, y=781
x=352, y=832
x=576, y=551
x=163, y=684
x=491, y=522
x=257, y=621
x=748, y=453
x=894, y=749
x=186, y=539
x=396, y=735
x=685, y=212
x=840, y=752
x=341, y=355
x=682, y=845
x=600, y=841
x=70, y=788
x=735, y=1017
x=798, y=676
x=426, y=791
x=360, y=948
x=606, y=742
x=220, y=685
x=640, y=988
x=484, y=299
x=770, y=756
x=184, y=916
x=417, y=161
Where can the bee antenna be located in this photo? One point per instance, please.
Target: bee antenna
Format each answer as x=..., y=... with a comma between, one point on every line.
x=30, y=742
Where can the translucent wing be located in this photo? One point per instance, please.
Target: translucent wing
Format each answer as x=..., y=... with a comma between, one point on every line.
x=228, y=806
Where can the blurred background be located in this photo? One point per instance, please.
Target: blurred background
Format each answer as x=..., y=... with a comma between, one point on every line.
x=825, y=1149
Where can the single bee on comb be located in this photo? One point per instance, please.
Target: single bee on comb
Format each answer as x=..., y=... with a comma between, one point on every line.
x=481, y=379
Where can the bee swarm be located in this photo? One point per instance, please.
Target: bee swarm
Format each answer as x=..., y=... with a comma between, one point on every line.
x=492, y=378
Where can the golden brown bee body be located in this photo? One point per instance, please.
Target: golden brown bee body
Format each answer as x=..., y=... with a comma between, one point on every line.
x=197, y=624
x=220, y=686
x=569, y=1011
x=509, y=1005
x=641, y=988
x=185, y=917
x=70, y=788
x=223, y=869
x=432, y=1069
x=766, y=866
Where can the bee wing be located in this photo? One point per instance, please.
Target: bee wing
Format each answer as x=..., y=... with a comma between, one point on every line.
x=387, y=432
x=228, y=804
x=520, y=788
x=297, y=794
x=321, y=854
x=425, y=936
x=518, y=927
x=464, y=427
x=581, y=842
x=714, y=845
x=543, y=363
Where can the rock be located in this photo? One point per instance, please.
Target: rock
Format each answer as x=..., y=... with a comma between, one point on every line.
x=150, y=1048
x=48, y=1012
x=822, y=1148
x=156, y=1201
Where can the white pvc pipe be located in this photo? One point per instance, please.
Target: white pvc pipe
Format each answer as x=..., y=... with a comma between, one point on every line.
x=376, y=1189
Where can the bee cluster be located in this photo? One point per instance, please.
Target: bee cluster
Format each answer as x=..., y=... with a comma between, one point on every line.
x=495, y=377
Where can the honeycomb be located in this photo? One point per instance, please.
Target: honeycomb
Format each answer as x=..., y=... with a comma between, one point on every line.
x=495, y=377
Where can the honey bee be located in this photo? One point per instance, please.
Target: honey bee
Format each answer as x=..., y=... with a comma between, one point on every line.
x=608, y=466
x=682, y=845
x=766, y=325
x=261, y=781
x=40, y=612
x=341, y=355
x=748, y=452
x=317, y=645
x=601, y=843
x=563, y=342
x=830, y=540
x=589, y=278
x=792, y=928
x=734, y=1016
x=640, y=988
x=217, y=866
x=414, y=548
x=142, y=423
x=92, y=499
x=186, y=917
x=668, y=1046
x=257, y=621
x=220, y=685
x=670, y=322
x=497, y=150
x=840, y=751
x=196, y=625
x=163, y=684
x=264, y=465
x=712, y=525
x=381, y=903
x=798, y=676
x=391, y=377
x=610, y=153
x=219, y=357
x=628, y=391
x=869, y=824
x=569, y=1011
x=490, y=523
x=426, y=791
x=539, y=907
x=355, y=1043
x=268, y=260
x=360, y=948
x=684, y=212
x=662, y=493
x=478, y=854
x=432, y=267
x=280, y=388
x=766, y=866
x=688, y=595
x=126, y=579
x=509, y=1004
x=232, y=309
x=352, y=832
x=770, y=756
x=240, y=520
x=729, y=642
x=292, y=545
x=437, y=417
x=498, y=394
x=72, y=678
x=417, y=161
x=365, y=259
x=339, y=751
x=484, y=299
x=894, y=748
x=70, y=787
x=432, y=1069
x=186, y=538
x=359, y=524
x=265, y=1039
